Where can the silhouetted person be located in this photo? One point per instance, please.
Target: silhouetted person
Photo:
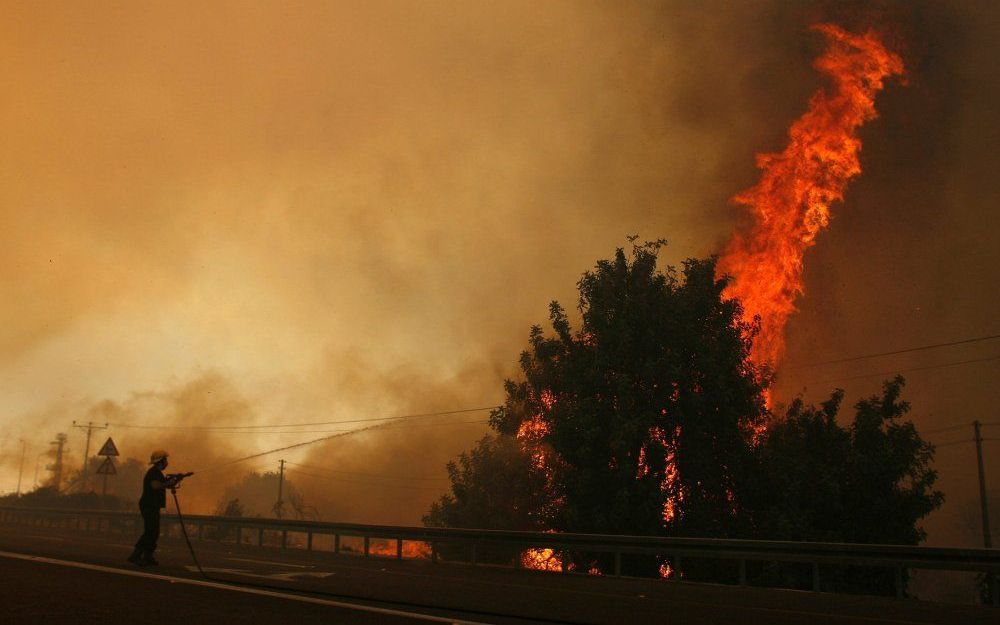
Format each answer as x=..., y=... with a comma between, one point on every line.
x=153, y=499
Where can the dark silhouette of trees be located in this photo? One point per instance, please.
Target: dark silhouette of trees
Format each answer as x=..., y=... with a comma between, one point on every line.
x=642, y=416
x=650, y=419
x=867, y=482
x=494, y=486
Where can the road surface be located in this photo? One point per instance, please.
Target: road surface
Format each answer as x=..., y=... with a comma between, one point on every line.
x=52, y=576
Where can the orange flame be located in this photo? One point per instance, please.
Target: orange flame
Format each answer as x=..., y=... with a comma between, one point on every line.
x=541, y=560
x=790, y=204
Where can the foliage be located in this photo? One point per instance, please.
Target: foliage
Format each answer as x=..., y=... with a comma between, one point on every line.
x=868, y=482
x=258, y=492
x=650, y=419
x=232, y=508
x=494, y=486
x=48, y=497
x=657, y=370
x=126, y=483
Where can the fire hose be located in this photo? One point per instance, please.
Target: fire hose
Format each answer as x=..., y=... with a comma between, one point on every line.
x=187, y=539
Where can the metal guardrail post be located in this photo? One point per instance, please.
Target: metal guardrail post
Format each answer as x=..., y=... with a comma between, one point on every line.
x=743, y=572
x=336, y=543
x=899, y=582
x=399, y=548
x=239, y=535
x=367, y=545
x=434, y=552
x=309, y=541
x=815, y=567
x=260, y=537
x=284, y=539
x=473, y=554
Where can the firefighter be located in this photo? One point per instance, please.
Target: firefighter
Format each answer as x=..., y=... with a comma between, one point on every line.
x=153, y=499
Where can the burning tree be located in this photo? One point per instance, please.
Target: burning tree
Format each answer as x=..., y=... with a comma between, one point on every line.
x=641, y=420
x=646, y=420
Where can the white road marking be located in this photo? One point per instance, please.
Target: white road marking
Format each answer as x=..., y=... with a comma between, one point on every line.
x=234, y=588
x=296, y=566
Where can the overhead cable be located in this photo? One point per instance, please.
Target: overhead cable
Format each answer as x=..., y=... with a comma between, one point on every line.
x=908, y=370
x=373, y=475
x=314, y=423
x=977, y=339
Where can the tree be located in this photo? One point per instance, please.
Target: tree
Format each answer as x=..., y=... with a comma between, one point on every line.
x=868, y=482
x=641, y=419
x=650, y=419
x=231, y=507
x=494, y=486
x=257, y=493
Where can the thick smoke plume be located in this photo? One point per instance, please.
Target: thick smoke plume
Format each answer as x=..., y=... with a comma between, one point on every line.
x=359, y=211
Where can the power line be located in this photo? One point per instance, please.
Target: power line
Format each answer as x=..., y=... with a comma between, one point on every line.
x=287, y=447
x=939, y=446
x=388, y=477
x=872, y=375
x=379, y=485
x=957, y=426
x=302, y=444
x=315, y=423
x=895, y=352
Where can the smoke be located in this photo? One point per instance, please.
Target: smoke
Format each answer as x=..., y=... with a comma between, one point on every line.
x=247, y=214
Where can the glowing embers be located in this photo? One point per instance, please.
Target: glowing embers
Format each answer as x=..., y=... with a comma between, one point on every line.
x=541, y=560
x=533, y=431
x=401, y=549
x=790, y=204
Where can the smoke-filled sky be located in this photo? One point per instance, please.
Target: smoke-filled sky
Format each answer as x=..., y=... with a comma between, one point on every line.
x=271, y=212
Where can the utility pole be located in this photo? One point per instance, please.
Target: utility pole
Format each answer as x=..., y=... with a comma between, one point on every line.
x=20, y=470
x=987, y=538
x=279, y=505
x=90, y=427
x=38, y=459
x=57, y=466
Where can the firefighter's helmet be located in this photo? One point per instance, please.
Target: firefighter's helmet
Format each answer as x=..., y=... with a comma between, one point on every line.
x=157, y=455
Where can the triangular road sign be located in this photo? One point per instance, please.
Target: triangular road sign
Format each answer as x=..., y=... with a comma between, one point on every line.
x=107, y=467
x=108, y=449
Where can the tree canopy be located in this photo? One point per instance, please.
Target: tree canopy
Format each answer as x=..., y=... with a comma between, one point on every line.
x=651, y=419
x=641, y=417
x=867, y=482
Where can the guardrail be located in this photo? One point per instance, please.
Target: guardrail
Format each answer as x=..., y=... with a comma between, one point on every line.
x=249, y=530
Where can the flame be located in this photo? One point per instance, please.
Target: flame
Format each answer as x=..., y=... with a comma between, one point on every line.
x=791, y=203
x=541, y=560
x=411, y=549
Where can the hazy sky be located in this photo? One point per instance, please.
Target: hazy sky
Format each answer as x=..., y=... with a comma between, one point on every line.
x=261, y=212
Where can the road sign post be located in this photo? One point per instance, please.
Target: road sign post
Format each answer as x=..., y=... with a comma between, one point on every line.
x=109, y=451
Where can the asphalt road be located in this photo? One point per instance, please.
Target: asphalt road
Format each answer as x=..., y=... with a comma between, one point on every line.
x=82, y=577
